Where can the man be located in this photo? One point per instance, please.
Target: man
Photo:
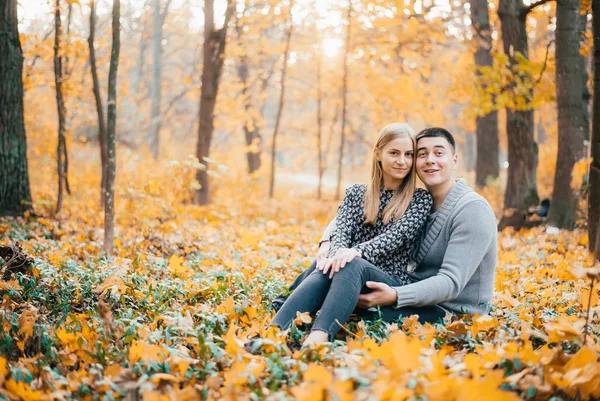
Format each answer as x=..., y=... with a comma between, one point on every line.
x=454, y=266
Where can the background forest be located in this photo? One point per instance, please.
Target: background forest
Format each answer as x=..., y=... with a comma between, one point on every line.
x=167, y=166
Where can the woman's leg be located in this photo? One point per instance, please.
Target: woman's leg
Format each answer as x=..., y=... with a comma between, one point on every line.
x=307, y=297
x=281, y=298
x=343, y=293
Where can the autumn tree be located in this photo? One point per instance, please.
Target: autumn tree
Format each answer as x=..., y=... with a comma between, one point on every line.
x=594, y=197
x=61, y=150
x=570, y=106
x=159, y=17
x=486, y=164
x=15, y=195
x=214, y=57
x=344, y=100
x=98, y=100
x=521, y=188
x=111, y=122
x=248, y=60
x=286, y=54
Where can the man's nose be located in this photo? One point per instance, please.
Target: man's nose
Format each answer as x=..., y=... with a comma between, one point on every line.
x=429, y=158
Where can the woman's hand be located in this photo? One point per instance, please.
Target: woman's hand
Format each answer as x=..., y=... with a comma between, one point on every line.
x=342, y=256
x=322, y=254
x=381, y=295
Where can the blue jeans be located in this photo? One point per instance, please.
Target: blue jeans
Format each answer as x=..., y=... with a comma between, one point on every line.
x=337, y=297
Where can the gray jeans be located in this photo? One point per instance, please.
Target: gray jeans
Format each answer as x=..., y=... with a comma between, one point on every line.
x=337, y=297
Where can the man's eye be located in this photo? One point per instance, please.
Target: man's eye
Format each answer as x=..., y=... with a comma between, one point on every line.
x=440, y=153
x=421, y=155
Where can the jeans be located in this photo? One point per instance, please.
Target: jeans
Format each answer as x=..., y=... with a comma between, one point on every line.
x=337, y=298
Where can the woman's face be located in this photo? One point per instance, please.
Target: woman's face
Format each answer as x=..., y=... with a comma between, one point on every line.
x=396, y=160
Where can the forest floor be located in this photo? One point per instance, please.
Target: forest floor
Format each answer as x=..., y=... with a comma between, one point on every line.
x=167, y=316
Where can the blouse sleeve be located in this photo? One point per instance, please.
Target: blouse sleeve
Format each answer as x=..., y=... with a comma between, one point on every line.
x=348, y=218
x=400, y=232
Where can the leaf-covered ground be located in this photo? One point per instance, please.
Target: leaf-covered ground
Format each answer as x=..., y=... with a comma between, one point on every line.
x=167, y=316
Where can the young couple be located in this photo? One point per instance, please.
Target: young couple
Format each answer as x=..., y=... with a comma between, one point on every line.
x=404, y=249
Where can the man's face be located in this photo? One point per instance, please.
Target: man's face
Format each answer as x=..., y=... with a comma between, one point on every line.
x=435, y=161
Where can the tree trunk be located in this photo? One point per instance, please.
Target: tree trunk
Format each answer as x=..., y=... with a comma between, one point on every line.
x=521, y=187
x=214, y=57
x=155, y=91
x=594, y=199
x=586, y=96
x=486, y=164
x=570, y=107
x=61, y=150
x=15, y=195
x=99, y=106
x=281, y=100
x=251, y=130
x=344, y=102
x=111, y=161
x=320, y=164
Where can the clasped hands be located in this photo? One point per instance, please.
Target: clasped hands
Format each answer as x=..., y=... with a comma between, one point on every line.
x=381, y=294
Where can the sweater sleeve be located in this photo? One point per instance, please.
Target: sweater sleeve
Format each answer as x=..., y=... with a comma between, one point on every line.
x=399, y=233
x=328, y=234
x=348, y=218
x=471, y=234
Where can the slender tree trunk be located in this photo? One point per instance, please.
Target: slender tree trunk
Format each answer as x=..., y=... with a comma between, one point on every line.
x=570, y=107
x=156, y=81
x=594, y=199
x=586, y=96
x=15, y=195
x=111, y=165
x=214, y=57
x=61, y=149
x=344, y=102
x=99, y=106
x=281, y=101
x=251, y=130
x=486, y=164
x=521, y=187
x=320, y=163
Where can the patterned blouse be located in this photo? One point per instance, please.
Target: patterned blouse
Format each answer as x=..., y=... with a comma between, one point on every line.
x=387, y=246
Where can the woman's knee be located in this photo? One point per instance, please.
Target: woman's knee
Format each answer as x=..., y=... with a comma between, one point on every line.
x=355, y=267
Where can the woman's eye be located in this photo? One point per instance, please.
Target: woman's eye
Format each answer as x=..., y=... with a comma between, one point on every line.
x=393, y=153
x=409, y=155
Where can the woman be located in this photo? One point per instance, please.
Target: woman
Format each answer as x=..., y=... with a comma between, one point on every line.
x=377, y=229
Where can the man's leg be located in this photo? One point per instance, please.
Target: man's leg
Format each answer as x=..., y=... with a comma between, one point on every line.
x=280, y=299
x=427, y=314
x=342, y=296
x=307, y=297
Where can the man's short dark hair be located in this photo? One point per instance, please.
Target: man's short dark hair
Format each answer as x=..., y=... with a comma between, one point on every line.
x=437, y=132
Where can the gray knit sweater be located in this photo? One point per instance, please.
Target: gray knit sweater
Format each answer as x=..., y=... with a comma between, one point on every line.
x=456, y=258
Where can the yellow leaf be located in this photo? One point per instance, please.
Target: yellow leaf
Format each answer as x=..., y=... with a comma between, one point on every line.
x=302, y=318
x=23, y=392
x=3, y=370
x=141, y=351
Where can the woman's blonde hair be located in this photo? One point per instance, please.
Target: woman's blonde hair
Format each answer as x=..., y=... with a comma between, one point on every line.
x=405, y=191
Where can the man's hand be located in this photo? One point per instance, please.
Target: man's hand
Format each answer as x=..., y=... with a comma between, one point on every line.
x=342, y=256
x=381, y=295
x=322, y=254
